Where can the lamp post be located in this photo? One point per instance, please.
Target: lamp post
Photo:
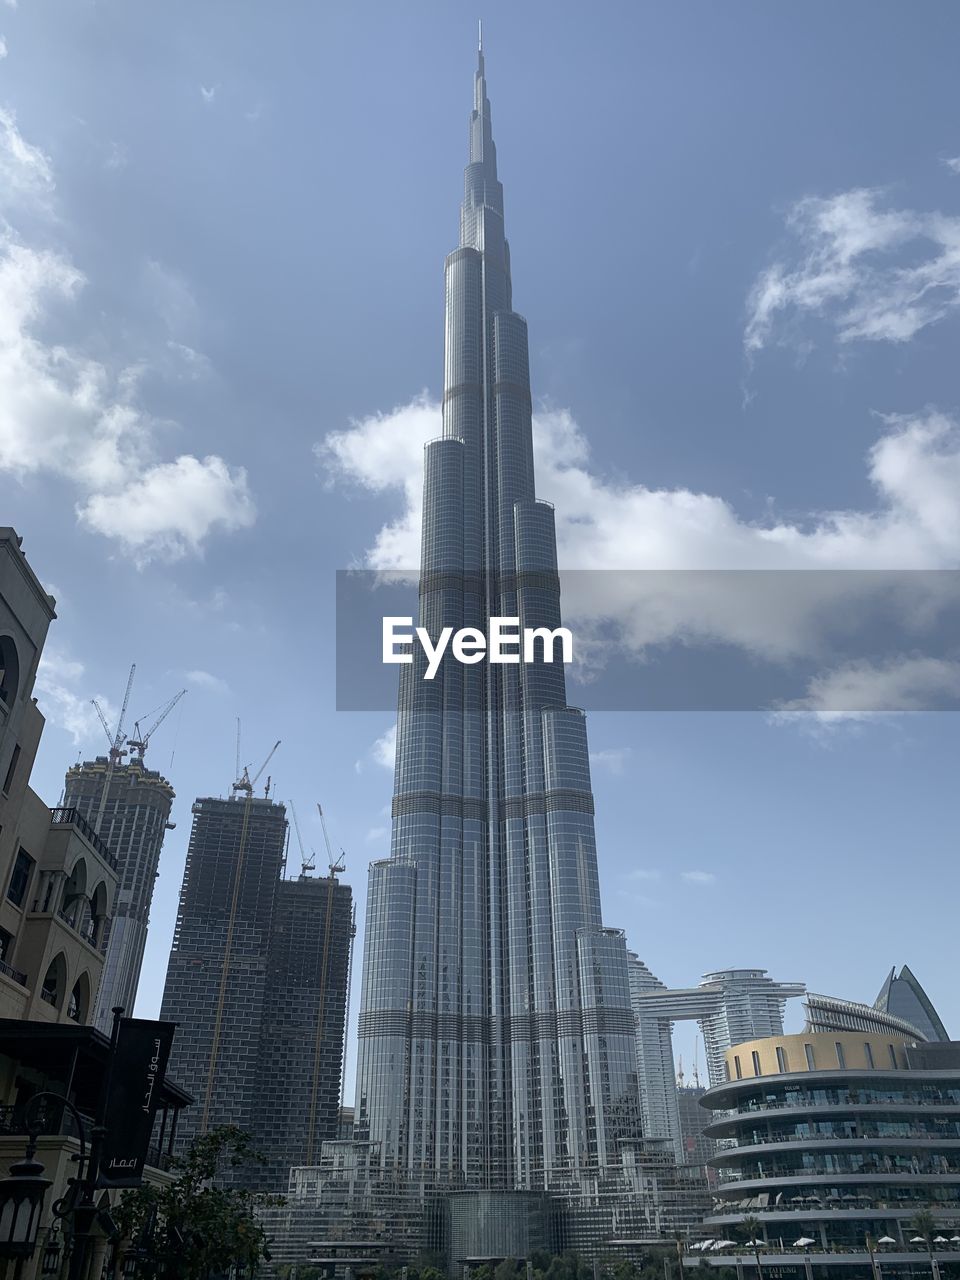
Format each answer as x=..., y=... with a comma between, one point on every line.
x=22, y=1193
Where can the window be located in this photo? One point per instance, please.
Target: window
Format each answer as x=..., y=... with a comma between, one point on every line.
x=11, y=769
x=736, y=1066
x=756, y=1063
x=6, y=943
x=781, y=1059
x=20, y=879
x=811, y=1064
x=841, y=1061
x=868, y=1052
x=893, y=1056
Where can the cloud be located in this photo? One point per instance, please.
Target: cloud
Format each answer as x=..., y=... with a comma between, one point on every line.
x=953, y=164
x=58, y=679
x=208, y=95
x=612, y=524
x=25, y=171
x=855, y=690
x=698, y=877
x=643, y=873
x=204, y=680
x=612, y=759
x=170, y=509
x=377, y=834
x=3, y=47
x=63, y=413
x=383, y=753
x=869, y=272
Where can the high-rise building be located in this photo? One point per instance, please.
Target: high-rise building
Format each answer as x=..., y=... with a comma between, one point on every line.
x=496, y=1036
x=655, y=1065
x=257, y=981
x=131, y=819
x=903, y=997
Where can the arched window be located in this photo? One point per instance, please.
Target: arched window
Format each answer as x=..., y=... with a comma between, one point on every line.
x=93, y=931
x=9, y=670
x=74, y=892
x=79, y=1003
x=54, y=984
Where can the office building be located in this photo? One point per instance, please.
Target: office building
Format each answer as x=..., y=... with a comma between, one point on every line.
x=902, y=996
x=496, y=1036
x=257, y=982
x=131, y=820
x=832, y=1137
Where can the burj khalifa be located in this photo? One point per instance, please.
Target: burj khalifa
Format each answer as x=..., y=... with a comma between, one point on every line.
x=496, y=1037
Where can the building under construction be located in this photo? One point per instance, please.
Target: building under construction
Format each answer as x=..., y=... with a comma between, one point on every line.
x=129, y=805
x=257, y=981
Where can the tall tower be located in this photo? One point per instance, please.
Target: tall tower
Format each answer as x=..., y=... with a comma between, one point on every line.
x=133, y=821
x=257, y=981
x=496, y=1037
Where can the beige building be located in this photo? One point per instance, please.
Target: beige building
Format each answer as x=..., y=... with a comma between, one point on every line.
x=57, y=879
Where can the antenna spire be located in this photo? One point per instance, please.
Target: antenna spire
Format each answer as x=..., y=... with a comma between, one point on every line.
x=480, y=35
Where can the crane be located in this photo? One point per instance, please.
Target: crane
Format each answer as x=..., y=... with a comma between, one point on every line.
x=246, y=784
x=116, y=746
x=139, y=742
x=341, y=862
x=306, y=864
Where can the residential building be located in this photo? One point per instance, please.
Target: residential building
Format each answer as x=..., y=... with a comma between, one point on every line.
x=257, y=981
x=129, y=806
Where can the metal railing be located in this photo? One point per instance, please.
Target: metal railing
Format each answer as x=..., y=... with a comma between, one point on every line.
x=15, y=974
x=74, y=818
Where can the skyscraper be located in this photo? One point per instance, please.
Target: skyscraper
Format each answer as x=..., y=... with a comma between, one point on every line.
x=496, y=1037
x=659, y=1101
x=903, y=997
x=257, y=980
x=133, y=818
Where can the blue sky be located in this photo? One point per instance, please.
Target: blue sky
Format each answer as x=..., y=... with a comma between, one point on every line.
x=736, y=239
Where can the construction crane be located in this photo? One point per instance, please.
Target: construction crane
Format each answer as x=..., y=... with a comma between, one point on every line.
x=246, y=784
x=336, y=865
x=139, y=742
x=116, y=746
x=306, y=864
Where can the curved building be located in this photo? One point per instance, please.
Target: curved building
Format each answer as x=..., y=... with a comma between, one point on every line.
x=903, y=997
x=836, y=1136
x=830, y=1013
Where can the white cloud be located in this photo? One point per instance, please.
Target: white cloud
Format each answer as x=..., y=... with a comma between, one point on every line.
x=208, y=95
x=25, y=172
x=3, y=47
x=384, y=750
x=376, y=835
x=612, y=759
x=66, y=414
x=205, y=680
x=850, y=266
x=171, y=508
x=698, y=877
x=914, y=469
x=58, y=692
x=953, y=164
x=855, y=690
x=643, y=873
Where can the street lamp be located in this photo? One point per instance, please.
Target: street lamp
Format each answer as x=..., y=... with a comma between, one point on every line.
x=22, y=1194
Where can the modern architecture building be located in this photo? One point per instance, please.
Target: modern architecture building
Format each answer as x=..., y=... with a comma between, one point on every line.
x=496, y=1036
x=832, y=1137
x=257, y=981
x=57, y=879
x=830, y=1013
x=131, y=820
x=902, y=996
x=656, y=1071
x=697, y=1145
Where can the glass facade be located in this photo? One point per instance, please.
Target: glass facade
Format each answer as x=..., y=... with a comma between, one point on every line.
x=496, y=1037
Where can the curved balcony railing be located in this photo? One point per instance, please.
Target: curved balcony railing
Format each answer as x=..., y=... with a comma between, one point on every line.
x=13, y=973
x=74, y=818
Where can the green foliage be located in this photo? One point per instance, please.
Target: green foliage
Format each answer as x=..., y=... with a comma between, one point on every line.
x=190, y=1228
x=924, y=1224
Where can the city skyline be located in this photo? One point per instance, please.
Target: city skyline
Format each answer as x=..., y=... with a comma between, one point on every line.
x=686, y=870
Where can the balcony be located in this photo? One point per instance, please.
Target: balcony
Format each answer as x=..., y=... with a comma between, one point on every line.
x=15, y=974
x=74, y=818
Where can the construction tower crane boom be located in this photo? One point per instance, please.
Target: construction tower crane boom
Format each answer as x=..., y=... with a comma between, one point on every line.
x=140, y=741
x=338, y=864
x=306, y=864
x=116, y=746
x=244, y=782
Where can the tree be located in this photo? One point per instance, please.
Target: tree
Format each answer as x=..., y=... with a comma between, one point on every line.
x=191, y=1229
x=924, y=1224
x=751, y=1227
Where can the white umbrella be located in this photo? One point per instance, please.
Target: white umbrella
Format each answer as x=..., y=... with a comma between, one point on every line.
x=939, y=1239
x=955, y=1239
x=917, y=1240
x=754, y=1244
x=886, y=1240
x=804, y=1240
